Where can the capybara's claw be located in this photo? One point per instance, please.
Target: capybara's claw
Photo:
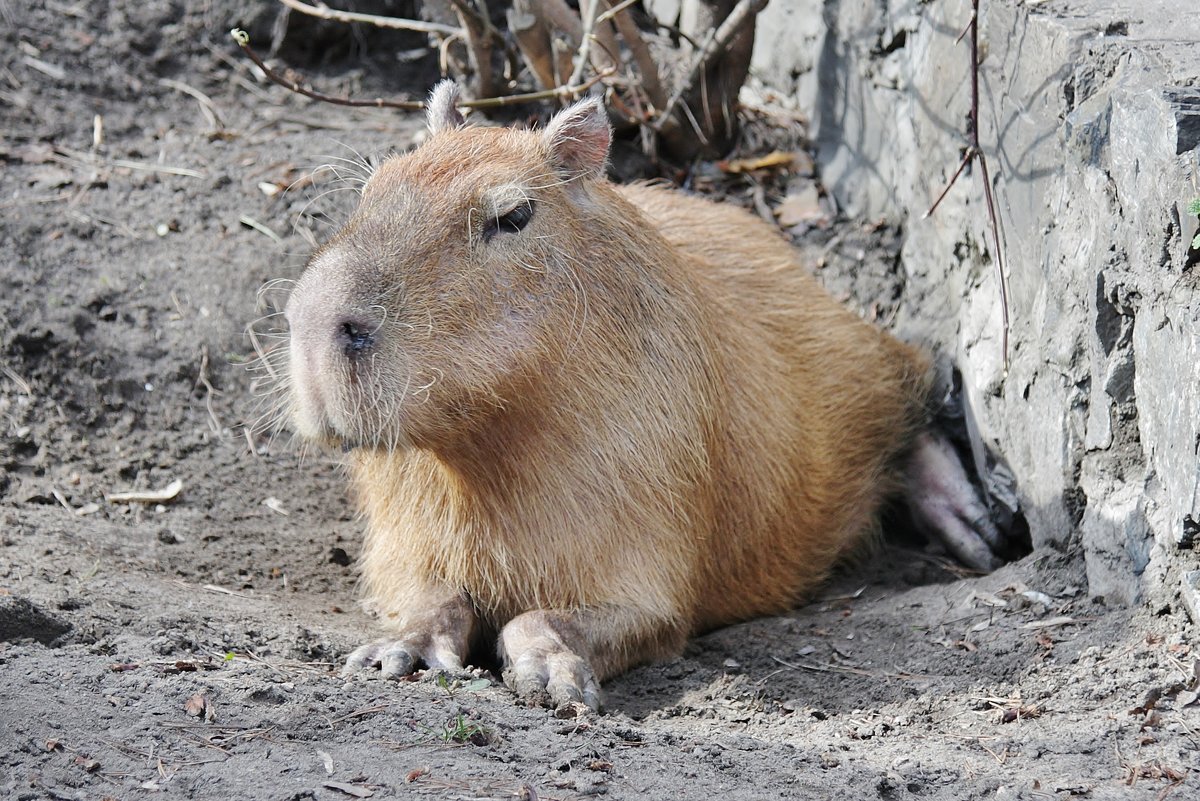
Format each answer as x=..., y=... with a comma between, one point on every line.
x=391, y=658
x=554, y=679
x=396, y=659
x=540, y=664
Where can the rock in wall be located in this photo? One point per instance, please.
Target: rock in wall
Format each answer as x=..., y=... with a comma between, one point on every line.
x=1090, y=119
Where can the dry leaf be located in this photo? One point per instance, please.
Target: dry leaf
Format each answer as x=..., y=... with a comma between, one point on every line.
x=50, y=177
x=1190, y=695
x=1148, y=703
x=198, y=706
x=802, y=205
x=776, y=158
x=275, y=505
x=1015, y=713
x=87, y=763
x=350, y=789
x=1035, y=597
x=38, y=153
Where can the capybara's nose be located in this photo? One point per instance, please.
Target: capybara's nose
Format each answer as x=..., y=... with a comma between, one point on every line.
x=355, y=336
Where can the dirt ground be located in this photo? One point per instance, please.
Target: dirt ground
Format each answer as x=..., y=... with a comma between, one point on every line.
x=190, y=648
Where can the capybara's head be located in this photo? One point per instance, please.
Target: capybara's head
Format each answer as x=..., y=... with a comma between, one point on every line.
x=453, y=284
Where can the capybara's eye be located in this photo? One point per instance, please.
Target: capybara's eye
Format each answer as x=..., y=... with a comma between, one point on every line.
x=510, y=222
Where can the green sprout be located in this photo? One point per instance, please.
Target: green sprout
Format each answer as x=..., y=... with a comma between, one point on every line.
x=459, y=729
x=1194, y=211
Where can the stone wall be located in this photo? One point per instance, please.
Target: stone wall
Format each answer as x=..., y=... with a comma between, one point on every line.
x=1090, y=119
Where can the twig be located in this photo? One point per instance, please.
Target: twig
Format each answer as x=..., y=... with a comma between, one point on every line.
x=975, y=151
x=900, y=674
x=243, y=41
x=571, y=91
x=741, y=14
x=651, y=82
x=478, y=32
x=206, y=103
x=12, y=376
x=225, y=591
x=202, y=378
x=483, y=17
x=325, y=12
x=587, y=9
x=358, y=713
x=250, y=222
x=614, y=11
x=95, y=161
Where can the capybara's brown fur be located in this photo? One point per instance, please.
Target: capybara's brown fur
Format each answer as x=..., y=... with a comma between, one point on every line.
x=593, y=429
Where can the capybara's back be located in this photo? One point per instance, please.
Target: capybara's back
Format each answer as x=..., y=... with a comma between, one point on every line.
x=818, y=407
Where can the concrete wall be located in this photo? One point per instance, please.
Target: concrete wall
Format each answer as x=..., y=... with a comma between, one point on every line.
x=1090, y=119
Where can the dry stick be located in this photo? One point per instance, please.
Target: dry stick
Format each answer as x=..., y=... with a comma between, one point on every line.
x=243, y=41
x=587, y=10
x=477, y=34
x=613, y=11
x=651, y=81
x=975, y=151
x=372, y=19
x=207, y=107
x=483, y=17
x=741, y=14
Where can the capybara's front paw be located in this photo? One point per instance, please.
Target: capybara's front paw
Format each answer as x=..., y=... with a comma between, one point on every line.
x=553, y=678
x=398, y=658
x=541, y=667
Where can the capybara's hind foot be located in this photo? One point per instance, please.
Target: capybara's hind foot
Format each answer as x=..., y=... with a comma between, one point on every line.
x=945, y=505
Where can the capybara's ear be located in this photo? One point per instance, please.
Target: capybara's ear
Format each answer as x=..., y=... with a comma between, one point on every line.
x=578, y=137
x=441, y=112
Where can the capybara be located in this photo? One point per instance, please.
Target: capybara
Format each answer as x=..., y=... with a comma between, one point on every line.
x=586, y=421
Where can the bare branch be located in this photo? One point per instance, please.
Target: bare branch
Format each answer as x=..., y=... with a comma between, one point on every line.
x=538, y=25
x=966, y=159
x=587, y=13
x=324, y=12
x=479, y=37
x=614, y=11
x=568, y=92
x=742, y=13
x=651, y=82
x=975, y=151
x=243, y=41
